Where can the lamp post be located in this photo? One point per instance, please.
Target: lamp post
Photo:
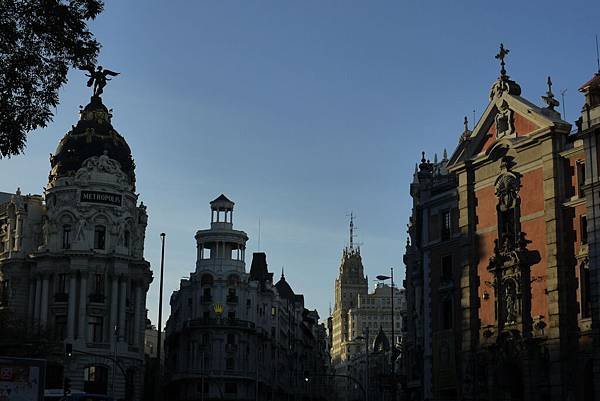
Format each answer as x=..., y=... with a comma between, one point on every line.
x=160, y=301
x=393, y=359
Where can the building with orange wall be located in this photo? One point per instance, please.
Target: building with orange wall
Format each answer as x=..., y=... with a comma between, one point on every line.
x=501, y=266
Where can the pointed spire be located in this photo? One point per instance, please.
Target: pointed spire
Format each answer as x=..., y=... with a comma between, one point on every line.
x=282, y=273
x=445, y=157
x=435, y=158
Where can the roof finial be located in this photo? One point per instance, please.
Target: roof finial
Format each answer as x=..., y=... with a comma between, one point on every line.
x=500, y=56
x=445, y=155
x=466, y=123
x=282, y=273
x=423, y=157
x=549, y=98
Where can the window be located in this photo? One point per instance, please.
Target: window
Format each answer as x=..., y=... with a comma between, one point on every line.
x=202, y=387
x=230, y=388
x=446, y=225
x=447, y=314
x=66, y=237
x=205, y=339
x=229, y=364
x=231, y=314
x=95, y=379
x=99, y=237
x=206, y=295
x=95, y=329
x=62, y=284
x=230, y=338
x=60, y=327
x=126, y=238
x=580, y=178
x=446, y=274
x=99, y=284
x=583, y=237
x=584, y=288
x=3, y=292
x=232, y=295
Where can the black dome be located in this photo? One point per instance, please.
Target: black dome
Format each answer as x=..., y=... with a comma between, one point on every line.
x=92, y=135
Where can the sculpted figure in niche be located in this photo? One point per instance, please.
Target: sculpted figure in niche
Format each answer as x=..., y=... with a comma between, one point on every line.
x=510, y=302
x=46, y=231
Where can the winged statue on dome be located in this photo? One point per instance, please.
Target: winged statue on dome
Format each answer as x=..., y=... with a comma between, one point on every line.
x=98, y=78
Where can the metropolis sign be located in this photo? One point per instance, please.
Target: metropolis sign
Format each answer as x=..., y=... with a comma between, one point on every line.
x=101, y=197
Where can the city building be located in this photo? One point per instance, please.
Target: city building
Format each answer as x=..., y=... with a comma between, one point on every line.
x=239, y=335
x=359, y=314
x=73, y=278
x=501, y=267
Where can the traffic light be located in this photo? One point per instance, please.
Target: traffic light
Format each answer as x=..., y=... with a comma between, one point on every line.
x=68, y=350
x=66, y=386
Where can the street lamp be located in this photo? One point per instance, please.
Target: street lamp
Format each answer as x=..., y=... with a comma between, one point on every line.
x=393, y=361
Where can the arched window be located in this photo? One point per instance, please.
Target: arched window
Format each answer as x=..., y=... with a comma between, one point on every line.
x=66, y=236
x=100, y=237
x=126, y=238
x=95, y=379
x=206, y=279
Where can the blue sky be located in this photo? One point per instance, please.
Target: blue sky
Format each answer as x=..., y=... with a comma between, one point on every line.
x=303, y=111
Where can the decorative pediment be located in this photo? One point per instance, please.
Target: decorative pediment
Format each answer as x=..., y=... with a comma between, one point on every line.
x=102, y=169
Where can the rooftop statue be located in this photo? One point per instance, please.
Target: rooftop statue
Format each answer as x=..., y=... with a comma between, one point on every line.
x=98, y=78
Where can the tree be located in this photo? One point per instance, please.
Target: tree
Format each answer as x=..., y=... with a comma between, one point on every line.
x=40, y=41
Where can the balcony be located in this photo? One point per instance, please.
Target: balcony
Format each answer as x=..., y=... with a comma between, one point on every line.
x=232, y=299
x=221, y=322
x=61, y=297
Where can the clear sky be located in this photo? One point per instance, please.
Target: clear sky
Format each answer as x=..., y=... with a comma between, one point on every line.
x=302, y=111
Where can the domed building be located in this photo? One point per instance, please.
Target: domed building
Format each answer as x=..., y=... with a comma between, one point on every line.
x=72, y=263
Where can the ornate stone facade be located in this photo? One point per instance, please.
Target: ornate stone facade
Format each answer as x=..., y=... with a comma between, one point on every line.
x=238, y=335
x=505, y=307
x=72, y=261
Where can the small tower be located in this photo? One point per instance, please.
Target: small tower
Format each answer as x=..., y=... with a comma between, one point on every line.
x=221, y=212
x=221, y=248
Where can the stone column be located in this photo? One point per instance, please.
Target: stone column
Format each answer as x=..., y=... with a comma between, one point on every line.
x=37, y=300
x=44, y=301
x=81, y=334
x=137, y=315
x=122, y=310
x=71, y=307
x=114, y=303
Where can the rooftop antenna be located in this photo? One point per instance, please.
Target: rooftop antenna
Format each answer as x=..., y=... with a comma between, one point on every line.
x=597, y=54
x=259, y=234
x=562, y=97
x=474, y=118
x=351, y=230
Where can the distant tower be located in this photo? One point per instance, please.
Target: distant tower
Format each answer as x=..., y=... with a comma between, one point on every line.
x=350, y=283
